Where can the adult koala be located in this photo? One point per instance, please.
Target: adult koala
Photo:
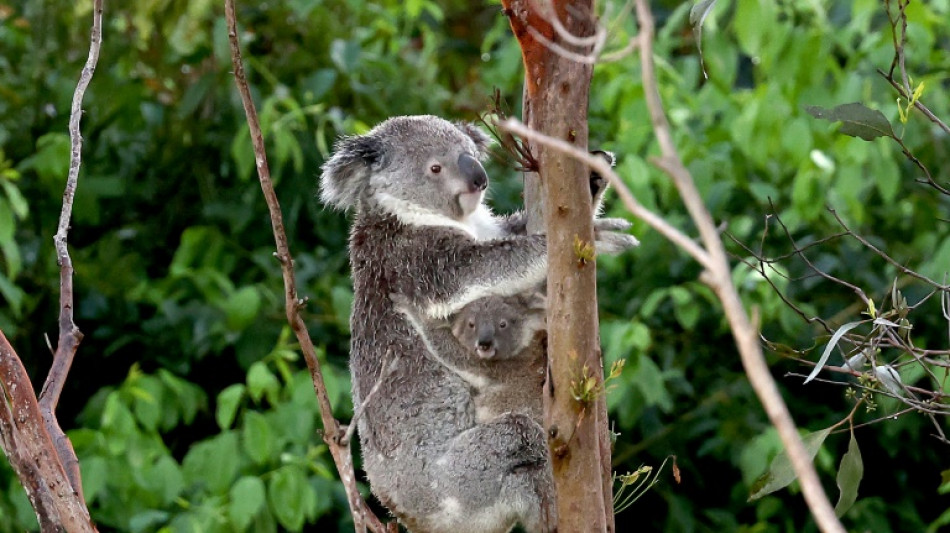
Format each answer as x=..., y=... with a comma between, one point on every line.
x=421, y=231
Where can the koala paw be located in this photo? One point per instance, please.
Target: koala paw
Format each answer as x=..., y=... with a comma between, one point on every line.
x=611, y=224
x=611, y=242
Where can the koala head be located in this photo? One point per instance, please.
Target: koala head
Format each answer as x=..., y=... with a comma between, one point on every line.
x=415, y=167
x=499, y=327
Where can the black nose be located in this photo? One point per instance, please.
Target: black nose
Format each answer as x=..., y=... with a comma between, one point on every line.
x=472, y=170
x=485, y=344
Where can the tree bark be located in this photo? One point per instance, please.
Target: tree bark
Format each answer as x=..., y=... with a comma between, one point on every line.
x=558, y=202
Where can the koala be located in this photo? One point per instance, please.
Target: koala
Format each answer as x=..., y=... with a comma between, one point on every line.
x=496, y=345
x=421, y=230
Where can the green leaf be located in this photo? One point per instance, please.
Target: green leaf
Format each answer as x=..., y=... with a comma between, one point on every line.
x=241, y=308
x=247, y=498
x=147, y=403
x=261, y=381
x=849, y=477
x=228, y=401
x=213, y=463
x=17, y=202
x=287, y=493
x=780, y=473
x=342, y=298
x=165, y=478
x=857, y=120
x=95, y=474
x=257, y=436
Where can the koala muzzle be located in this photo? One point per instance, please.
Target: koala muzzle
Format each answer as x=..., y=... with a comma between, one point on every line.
x=472, y=170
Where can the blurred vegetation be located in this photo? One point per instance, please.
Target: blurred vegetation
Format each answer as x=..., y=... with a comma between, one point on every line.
x=189, y=406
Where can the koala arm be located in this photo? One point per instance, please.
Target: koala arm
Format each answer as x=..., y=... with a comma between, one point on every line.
x=441, y=345
x=444, y=270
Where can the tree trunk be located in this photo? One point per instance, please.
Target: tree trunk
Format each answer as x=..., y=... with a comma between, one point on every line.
x=556, y=93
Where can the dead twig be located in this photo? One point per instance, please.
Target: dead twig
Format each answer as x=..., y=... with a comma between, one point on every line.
x=363, y=517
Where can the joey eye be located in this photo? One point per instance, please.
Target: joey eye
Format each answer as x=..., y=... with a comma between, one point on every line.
x=435, y=169
x=503, y=324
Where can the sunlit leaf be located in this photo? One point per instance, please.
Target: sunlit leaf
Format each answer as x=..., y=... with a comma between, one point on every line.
x=831, y=346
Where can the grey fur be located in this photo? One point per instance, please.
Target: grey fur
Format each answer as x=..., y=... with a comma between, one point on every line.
x=421, y=231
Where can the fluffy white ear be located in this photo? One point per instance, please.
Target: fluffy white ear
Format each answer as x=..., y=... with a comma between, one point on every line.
x=482, y=140
x=346, y=173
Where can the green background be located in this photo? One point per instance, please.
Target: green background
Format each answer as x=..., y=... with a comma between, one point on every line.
x=188, y=404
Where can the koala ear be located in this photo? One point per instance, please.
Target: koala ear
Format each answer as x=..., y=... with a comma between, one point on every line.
x=345, y=175
x=482, y=140
x=533, y=301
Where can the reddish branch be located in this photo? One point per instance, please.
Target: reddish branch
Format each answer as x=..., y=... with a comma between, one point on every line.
x=39, y=451
x=333, y=432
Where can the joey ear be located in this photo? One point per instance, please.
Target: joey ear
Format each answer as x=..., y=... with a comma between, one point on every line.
x=534, y=301
x=482, y=140
x=345, y=174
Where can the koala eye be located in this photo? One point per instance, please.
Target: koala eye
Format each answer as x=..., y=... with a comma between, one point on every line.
x=471, y=324
x=503, y=324
x=435, y=169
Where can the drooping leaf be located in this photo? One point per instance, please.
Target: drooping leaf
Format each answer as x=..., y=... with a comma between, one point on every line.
x=849, y=477
x=780, y=473
x=857, y=120
x=831, y=346
x=697, y=15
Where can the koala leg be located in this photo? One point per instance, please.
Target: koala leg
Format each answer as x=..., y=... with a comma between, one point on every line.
x=495, y=475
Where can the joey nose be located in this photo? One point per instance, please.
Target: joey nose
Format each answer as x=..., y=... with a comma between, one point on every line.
x=472, y=170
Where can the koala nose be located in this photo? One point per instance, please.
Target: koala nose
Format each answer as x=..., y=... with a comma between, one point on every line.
x=473, y=172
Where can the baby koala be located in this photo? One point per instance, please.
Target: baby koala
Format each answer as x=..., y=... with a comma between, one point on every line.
x=496, y=345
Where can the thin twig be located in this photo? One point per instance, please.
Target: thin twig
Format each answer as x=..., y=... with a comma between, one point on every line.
x=889, y=259
x=69, y=334
x=342, y=457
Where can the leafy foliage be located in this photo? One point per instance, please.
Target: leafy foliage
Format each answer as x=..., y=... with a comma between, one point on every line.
x=189, y=406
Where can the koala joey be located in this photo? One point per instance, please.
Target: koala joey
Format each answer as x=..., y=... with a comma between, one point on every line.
x=421, y=230
x=496, y=345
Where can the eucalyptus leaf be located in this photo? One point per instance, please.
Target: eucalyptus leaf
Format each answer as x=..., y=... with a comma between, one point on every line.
x=780, y=473
x=857, y=120
x=831, y=346
x=849, y=477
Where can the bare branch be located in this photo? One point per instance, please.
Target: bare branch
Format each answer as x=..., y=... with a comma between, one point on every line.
x=718, y=276
x=363, y=517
